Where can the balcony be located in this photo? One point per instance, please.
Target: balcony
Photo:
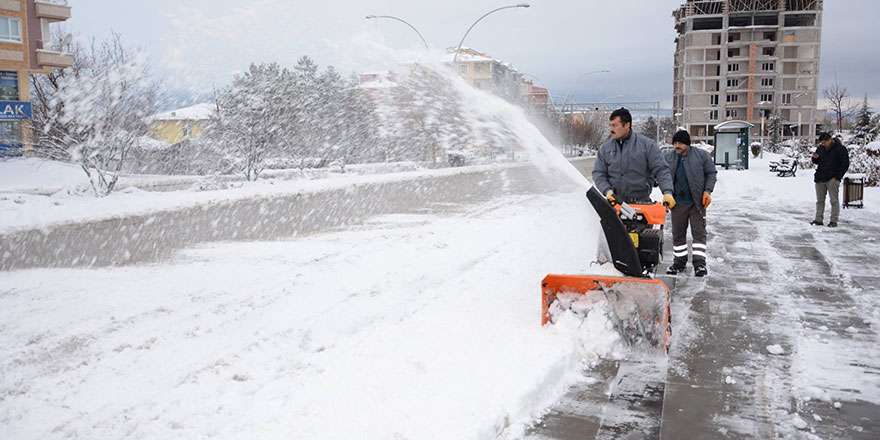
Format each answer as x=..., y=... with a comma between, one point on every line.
x=52, y=12
x=10, y=5
x=48, y=58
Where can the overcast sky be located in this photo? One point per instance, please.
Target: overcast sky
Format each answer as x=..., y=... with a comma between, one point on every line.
x=196, y=43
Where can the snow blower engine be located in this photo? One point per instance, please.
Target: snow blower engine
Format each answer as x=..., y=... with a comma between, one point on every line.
x=644, y=224
x=637, y=303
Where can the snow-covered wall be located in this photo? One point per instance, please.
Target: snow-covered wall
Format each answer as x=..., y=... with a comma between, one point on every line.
x=147, y=236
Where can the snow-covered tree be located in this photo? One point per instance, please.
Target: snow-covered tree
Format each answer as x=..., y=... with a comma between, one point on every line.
x=774, y=127
x=649, y=128
x=252, y=115
x=864, y=161
x=865, y=127
x=667, y=128
x=93, y=112
x=429, y=113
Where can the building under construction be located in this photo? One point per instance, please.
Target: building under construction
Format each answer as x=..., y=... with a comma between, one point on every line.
x=747, y=60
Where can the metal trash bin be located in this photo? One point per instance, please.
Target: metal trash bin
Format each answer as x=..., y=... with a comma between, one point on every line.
x=853, y=191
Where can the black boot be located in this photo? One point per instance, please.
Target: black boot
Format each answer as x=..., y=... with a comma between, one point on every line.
x=700, y=271
x=675, y=269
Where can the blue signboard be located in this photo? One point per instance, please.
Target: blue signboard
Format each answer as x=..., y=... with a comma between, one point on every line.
x=14, y=110
x=8, y=86
x=10, y=150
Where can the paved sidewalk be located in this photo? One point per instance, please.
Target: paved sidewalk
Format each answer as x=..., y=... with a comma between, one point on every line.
x=774, y=280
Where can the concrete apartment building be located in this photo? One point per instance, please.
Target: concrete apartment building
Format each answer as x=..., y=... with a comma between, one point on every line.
x=486, y=73
x=25, y=49
x=745, y=60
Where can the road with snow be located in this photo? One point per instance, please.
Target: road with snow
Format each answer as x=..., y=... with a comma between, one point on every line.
x=426, y=324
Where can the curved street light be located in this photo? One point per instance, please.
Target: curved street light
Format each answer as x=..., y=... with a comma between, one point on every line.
x=609, y=97
x=455, y=57
x=377, y=17
x=565, y=99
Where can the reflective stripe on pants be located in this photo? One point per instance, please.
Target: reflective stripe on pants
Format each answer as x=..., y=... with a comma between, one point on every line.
x=682, y=215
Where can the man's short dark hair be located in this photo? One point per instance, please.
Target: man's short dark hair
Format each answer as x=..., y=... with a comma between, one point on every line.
x=824, y=136
x=625, y=117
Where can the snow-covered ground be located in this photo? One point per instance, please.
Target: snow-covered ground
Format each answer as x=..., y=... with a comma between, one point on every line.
x=408, y=326
x=412, y=326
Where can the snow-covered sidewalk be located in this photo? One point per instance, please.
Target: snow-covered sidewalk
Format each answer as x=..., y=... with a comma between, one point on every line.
x=782, y=338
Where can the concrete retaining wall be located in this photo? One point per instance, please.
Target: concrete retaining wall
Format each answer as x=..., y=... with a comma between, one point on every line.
x=140, y=238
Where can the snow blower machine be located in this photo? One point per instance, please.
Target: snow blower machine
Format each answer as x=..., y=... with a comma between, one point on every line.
x=637, y=303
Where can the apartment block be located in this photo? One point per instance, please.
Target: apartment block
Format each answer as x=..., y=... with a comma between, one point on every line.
x=25, y=48
x=746, y=60
x=486, y=73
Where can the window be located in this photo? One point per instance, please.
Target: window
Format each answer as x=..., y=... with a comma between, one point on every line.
x=187, y=130
x=730, y=113
x=732, y=82
x=713, y=115
x=733, y=67
x=732, y=98
x=768, y=51
x=766, y=97
x=770, y=36
x=462, y=68
x=478, y=68
x=766, y=82
x=786, y=98
x=768, y=67
x=713, y=100
x=731, y=37
x=10, y=29
x=733, y=52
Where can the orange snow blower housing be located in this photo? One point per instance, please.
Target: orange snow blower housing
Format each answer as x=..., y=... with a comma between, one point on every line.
x=638, y=303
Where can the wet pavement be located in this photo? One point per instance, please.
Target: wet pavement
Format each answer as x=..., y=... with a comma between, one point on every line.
x=768, y=286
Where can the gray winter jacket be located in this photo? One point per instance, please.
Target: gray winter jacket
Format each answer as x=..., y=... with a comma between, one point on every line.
x=701, y=173
x=631, y=170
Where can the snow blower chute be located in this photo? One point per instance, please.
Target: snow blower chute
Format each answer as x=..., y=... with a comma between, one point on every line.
x=638, y=303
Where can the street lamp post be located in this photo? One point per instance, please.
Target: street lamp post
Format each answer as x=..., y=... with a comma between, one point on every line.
x=377, y=17
x=762, y=126
x=798, y=142
x=610, y=97
x=565, y=97
x=455, y=57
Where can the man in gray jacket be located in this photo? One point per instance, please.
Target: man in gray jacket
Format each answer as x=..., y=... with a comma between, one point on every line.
x=693, y=175
x=629, y=163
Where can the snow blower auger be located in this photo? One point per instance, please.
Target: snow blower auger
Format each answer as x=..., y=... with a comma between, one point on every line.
x=638, y=303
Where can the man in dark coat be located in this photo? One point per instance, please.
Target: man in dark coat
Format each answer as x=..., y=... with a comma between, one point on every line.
x=628, y=164
x=693, y=177
x=832, y=161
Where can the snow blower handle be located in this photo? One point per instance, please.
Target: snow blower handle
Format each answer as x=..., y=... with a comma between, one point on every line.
x=609, y=195
x=668, y=201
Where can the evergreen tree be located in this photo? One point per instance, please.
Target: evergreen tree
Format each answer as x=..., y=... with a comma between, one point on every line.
x=649, y=128
x=774, y=126
x=863, y=130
